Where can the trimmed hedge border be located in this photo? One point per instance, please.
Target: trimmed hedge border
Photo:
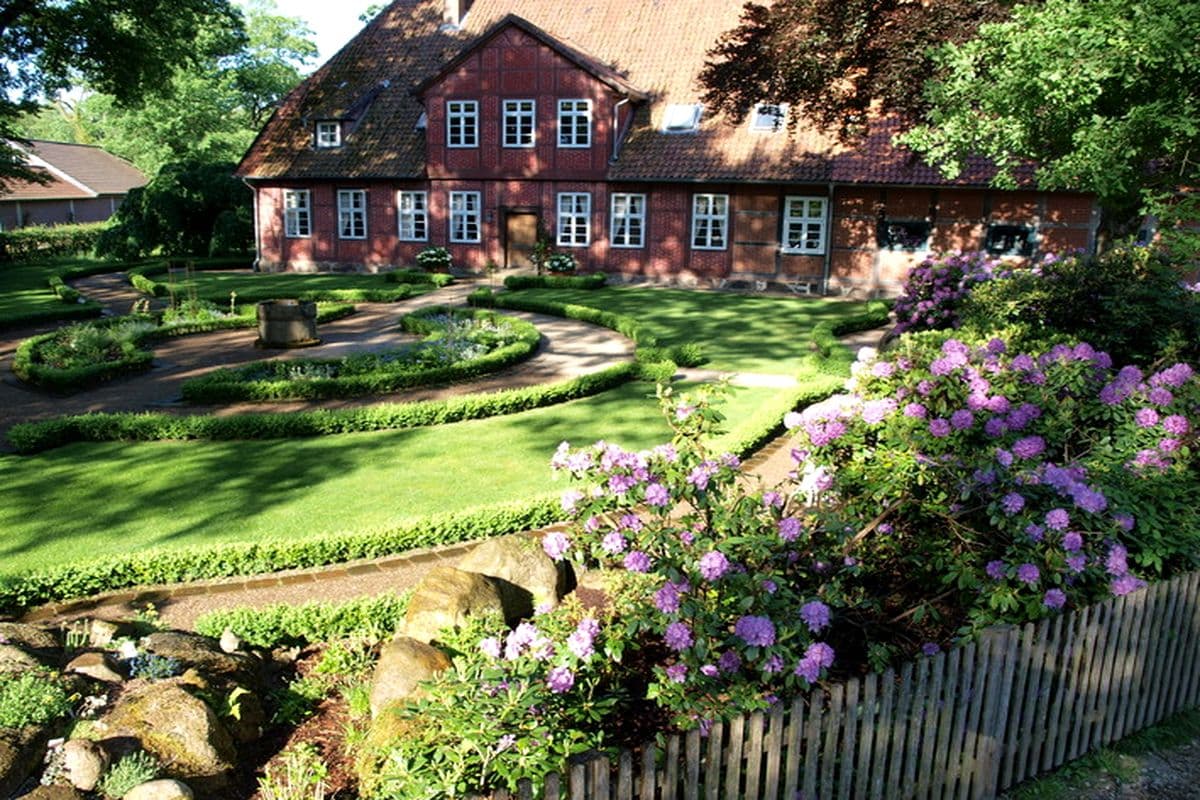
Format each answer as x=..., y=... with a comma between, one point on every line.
x=595, y=280
x=25, y=366
x=223, y=385
x=648, y=351
x=417, y=276
x=42, y=241
x=162, y=566
x=35, y=437
x=282, y=624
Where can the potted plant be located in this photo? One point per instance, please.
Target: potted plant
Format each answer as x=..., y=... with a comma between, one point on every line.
x=434, y=259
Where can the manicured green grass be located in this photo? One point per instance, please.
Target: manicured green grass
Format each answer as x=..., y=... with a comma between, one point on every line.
x=26, y=296
x=90, y=501
x=742, y=333
x=251, y=286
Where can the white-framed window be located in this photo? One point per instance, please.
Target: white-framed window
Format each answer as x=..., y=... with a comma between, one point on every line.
x=297, y=213
x=329, y=134
x=574, y=123
x=710, y=221
x=804, y=225
x=464, y=217
x=519, y=122
x=628, y=225
x=352, y=214
x=909, y=235
x=769, y=117
x=574, y=219
x=681, y=118
x=1010, y=239
x=462, y=123
x=412, y=215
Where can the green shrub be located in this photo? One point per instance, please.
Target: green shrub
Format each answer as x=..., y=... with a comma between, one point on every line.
x=157, y=566
x=153, y=667
x=31, y=698
x=283, y=624
x=38, y=242
x=416, y=276
x=1128, y=302
x=450, y=334
x=301, y=776
x=434, y=258
x=34, y=437
x=593, y=281
x=132, y=770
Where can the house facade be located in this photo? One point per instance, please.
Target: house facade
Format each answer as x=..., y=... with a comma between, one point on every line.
x=82, y=184
x=482, y=126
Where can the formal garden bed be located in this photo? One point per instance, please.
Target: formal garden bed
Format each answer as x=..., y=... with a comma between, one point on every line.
x=216, y=282
x=457, y=345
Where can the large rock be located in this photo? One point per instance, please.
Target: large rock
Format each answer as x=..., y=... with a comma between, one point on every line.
x=21, y=754
x=177, y=728
x=403, y=664
x=101, y=632
x=54, y=793
x=527, y=577
x=27, y=637
x=445, y=598
x=201, y=652
x=96, y=665
x=84, y=763
x=14, y=659
x=162, y=789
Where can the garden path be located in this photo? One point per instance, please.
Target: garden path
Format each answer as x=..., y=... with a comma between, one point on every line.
x=569, y=349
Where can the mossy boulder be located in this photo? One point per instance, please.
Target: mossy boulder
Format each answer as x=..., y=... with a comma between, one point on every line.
x=445, y=598
x=202, y=653
x=403, y=664
x=526, y=576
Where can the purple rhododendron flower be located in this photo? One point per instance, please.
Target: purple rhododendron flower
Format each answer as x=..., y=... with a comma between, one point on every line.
x=677, y=672
x=678, y=636
x=1169, y=445
x=792, y=420
x=939, y=428
x=769, y=586
x=1160, y=396
x=729, y=661
x=1029, y=447
x=755, y=631
x=709, y=670
x=1117, y=563
x=772, y=500
x=995, y=570
x=808, y=669
x=1146, y=417
x=772, y=665
x=657, y=495
x=1076, y=562
x=637, y=561
x=821, y=653
x=613, y=543
x=1173, y=377
x=1028, y=573
x=915, y=410
x=570, y=499
x=1054, y=598
x=490, y=647
x=876, y=411
x=883, y=369
x=924, y=388
x=930, y=649
x=556, y=544
x=962, y=419
x=789, y=529
x=1072, y=542
x=1176, y=425
x=1035, y=532
x=1012, y=503
x=1125, y=584
x=666, y=599
x=1088, y=499
x=582, y=642
x=1057, y=519
x=816, y=615
x=1126, y=521
x=713, y=565
x=560, y=679
x=519, y=640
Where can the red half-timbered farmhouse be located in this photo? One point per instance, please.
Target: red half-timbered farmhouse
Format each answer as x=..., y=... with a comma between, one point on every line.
x=475, y=125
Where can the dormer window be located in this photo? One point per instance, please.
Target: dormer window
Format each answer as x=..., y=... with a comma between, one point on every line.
x=681, y=118
x=422, y=122
x=329, y=134
x=769, y=117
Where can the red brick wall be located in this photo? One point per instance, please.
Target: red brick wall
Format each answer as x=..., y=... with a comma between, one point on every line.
x=516, y=66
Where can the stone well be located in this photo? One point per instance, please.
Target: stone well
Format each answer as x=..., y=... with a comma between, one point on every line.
x=287, y=323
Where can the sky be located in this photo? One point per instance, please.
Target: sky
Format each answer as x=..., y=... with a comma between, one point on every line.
x=333, y=23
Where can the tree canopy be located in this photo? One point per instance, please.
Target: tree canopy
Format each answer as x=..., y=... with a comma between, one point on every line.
x=207, y=110
x=123, y=48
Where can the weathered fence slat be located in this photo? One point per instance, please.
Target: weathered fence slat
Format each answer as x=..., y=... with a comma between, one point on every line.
x=691, y=787
x=866, y=738
x=1193, y=693
x=833, y=724
x=959, y=732
x=1137, y=651
x=774, y=754
x=1060, y=721
x=795, y=735
x=754, y=755
x=883, y=730
x=1162, y=651
x=899, y=726
x=1122, y=668
x=1150, y=653
x=649, y=782
x=1057, y=653
x=733, y=759
x=1035, y=692
x=916, y=716
x=939, y=782
x=578, y=778
x=1182, y=697
x=1102, y=707
x=812, y=745
x=983, y=666
x=601, y=769
x=1172, y=636
x=996, y=719
x=1017, y=710
x=849, y=740
x=670, y=787
x=551, y=790
x=1084, y=691
x=625, y=776
x=712, y=766
x=937, y=665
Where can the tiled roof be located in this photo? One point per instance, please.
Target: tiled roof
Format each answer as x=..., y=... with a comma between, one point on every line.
x=55, y=188
x=74, y=171
x=657, y=46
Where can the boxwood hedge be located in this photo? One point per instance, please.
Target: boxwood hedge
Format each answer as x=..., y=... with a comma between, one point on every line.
x=592, y=281
x=282, y=624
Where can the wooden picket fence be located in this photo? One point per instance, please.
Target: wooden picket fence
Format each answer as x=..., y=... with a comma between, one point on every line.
x=966, y=724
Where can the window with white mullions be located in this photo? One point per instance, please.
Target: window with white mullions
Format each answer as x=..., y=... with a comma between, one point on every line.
x=574, y=219
x=574, y=123
x=464, y=217
x=352, y=214
x=329, y=134
x=413, y=215
x=297, y=213
x=462, y=123
x=710, y=221
x=519, y=123
x=804, y=225
x=769, y=117
x=628, y=225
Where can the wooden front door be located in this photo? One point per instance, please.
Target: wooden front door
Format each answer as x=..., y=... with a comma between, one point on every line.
x=520, y=235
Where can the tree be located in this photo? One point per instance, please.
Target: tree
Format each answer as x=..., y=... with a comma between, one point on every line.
x=832, y=60
x=1103, y=95
x=124, y=48
x=208, y=111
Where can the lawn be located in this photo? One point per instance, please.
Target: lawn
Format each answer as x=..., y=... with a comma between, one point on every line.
x=252, y=286
x=94, y=500
x=743, y=333
x=26, y=296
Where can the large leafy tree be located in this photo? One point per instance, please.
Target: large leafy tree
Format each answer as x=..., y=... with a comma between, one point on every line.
x=124, y=48
x=208, y=110
x=832, y=60
x=1103, y=95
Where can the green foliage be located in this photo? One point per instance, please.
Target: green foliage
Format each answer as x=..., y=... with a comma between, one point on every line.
x=459, y=345
x=172, y=566
x=435, y=258
x=624, y=325
x=592, y=281
x=33, y=437
x=1128, y=302
x=1093, y=92
x=153, y=667
x=560, y=262
x=296, y=701
x=438, y=279
x=283, y=624
x=31, y=698
x=300, y=776
x=255, y=287
x=188, y=208
x=37, y=242
x=132, y=770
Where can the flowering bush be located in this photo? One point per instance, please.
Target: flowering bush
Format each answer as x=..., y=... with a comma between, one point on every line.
x=560, y=262
x=434, y=258
x=936, y=288
x=1020, y=482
